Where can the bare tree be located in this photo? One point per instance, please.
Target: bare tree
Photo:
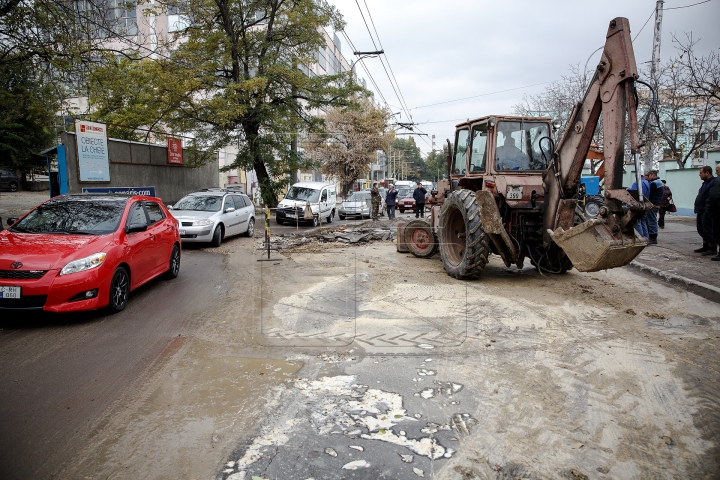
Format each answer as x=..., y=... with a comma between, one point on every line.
x=558, y=99
x=685, y=118
x=701, y=75
x=347, y=147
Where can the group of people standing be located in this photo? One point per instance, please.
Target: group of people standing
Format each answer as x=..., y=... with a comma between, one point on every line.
x=707, y=211
x=659, y=194
x=391, y=201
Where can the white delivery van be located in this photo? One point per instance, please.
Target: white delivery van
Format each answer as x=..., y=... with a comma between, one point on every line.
x=319, y=196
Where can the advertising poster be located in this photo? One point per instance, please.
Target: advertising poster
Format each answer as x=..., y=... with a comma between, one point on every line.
x=92, y=150
x=175, y=153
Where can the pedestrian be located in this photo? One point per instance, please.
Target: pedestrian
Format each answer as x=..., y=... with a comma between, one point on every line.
x=641, y=226
x=713, y=207
x=375, y=199
x=391, y=201
x=664, y=204
x=419, y=196
x=655, y=195
x=702, y=216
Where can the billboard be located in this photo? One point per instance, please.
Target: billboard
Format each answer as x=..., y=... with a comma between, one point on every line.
x=175, y=152
x=92, y=151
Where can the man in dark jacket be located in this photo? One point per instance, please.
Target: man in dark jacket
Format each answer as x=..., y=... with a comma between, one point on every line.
x=713, y=208
x=419, y=196
x=655, y=195
x=391, y=201
x=703, y=219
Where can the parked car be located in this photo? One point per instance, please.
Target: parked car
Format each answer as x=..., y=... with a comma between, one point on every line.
x=357, y=204
x=383, y=203
x=84, y=252
x=320, y=197
x=211, y=215
x=8, y=180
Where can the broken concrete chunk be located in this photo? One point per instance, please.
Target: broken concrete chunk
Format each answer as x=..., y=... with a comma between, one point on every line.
x=355, y=465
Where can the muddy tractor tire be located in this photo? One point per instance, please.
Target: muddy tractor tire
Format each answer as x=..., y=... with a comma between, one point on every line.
x=420, y=239
x=464, y=246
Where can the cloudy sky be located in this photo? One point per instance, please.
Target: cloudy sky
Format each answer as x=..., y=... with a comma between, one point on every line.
x=445, y=50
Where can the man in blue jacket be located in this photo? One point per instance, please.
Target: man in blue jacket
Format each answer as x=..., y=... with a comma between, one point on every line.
x=641, y=226
x=703, y=218
x=391, y=200
x=655, y=195
x=419, y=196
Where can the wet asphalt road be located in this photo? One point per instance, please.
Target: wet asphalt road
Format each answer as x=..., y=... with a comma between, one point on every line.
x=60, y=374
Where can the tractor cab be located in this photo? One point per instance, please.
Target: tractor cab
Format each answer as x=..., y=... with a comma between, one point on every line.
x=503, y=154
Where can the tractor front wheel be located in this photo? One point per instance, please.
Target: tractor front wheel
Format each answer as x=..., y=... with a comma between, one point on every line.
x=420, y=239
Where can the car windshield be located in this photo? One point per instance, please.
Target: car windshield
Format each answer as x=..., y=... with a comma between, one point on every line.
x=358, y=197
x=78, y=217
x=200, y=203
x=303, y=193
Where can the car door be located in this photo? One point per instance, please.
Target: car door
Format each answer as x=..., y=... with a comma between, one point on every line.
x=241, y=207
x=324, y=209
x=141, y=245
x=231, y=218
x=162, y=229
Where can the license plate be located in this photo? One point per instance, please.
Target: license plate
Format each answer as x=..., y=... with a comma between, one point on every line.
x=10, y=292
x=182, y=232
x=514, y=193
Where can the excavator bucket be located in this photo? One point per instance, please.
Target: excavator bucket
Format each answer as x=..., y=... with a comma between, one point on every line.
x=591, y=246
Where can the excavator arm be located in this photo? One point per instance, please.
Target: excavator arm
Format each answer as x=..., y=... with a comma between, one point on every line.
x=609, y=240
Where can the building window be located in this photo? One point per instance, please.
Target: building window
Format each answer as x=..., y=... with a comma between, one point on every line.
x=321, y=58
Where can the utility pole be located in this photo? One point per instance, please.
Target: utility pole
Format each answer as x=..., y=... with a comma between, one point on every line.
x=650, y=153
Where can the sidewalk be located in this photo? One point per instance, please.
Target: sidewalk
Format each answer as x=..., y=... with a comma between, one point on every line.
x=674, y=261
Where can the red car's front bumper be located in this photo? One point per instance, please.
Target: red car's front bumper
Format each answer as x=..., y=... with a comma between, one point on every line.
x=55, y=293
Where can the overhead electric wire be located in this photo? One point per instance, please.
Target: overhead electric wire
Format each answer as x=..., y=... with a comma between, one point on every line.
x=372, y=79
x=386, y=57
x=405, y=108
x=686, y=6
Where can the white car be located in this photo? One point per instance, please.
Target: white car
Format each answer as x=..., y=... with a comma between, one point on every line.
x=212, y=215
x=320, y=197
x=357, y=204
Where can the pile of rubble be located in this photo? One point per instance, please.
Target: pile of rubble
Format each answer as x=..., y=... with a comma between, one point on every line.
x=330, y=235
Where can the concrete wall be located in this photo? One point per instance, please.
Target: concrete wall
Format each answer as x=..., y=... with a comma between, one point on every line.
x=134, y=164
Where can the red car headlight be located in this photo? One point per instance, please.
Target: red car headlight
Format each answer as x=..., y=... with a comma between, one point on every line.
x=92, y=261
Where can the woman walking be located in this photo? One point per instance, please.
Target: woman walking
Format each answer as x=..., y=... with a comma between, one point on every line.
x=664, y=204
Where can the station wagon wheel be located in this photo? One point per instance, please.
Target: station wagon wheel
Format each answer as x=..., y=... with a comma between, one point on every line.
x=119, y=290
x=331, y=216
x=217, y=236
x=316, y=221
x=13, y=186
x=174, y=267
x=251, y=228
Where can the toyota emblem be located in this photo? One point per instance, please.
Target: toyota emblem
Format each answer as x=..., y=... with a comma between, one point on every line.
x=16, y=265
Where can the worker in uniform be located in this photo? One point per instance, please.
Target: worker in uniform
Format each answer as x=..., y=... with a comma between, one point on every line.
x=376, y=200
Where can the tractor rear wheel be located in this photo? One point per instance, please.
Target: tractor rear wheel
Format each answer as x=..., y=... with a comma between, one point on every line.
x=420, y=239
x=464, y=246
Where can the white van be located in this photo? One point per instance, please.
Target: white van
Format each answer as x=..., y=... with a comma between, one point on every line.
x=320, y=197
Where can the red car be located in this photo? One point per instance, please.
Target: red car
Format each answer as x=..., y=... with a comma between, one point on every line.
x=84, y=252
x=408, y=203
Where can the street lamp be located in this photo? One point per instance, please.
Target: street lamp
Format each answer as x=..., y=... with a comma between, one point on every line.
x=362, y=55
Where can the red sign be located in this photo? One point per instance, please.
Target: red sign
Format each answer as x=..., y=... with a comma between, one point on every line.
x=175, y=154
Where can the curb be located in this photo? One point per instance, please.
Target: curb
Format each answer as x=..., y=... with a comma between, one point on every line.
x=705, y=290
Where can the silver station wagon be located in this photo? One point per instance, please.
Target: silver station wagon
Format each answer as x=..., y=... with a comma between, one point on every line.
x=212, y=215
